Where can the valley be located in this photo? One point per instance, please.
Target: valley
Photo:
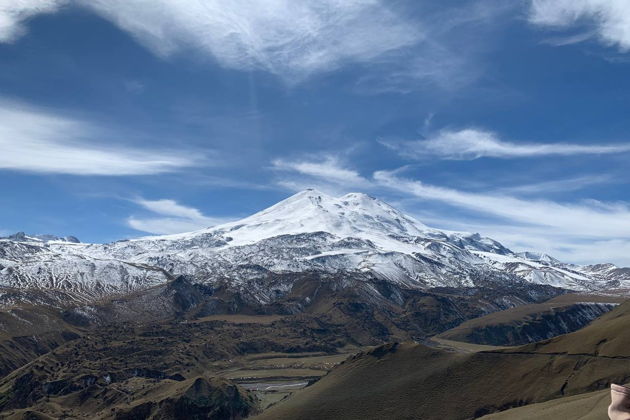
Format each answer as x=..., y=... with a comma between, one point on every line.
x=126, y=368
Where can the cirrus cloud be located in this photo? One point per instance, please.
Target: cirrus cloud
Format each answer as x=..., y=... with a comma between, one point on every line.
x=396, y=50
x=38, y=141
x=328, y=168
x=170, y=217
x=471, y=143
x=286, y=37
x=592, y=219
x=14, y=13
x=610, y=18
x=292, y=39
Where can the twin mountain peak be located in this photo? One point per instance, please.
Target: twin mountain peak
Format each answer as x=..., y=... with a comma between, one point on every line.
x=354, y=234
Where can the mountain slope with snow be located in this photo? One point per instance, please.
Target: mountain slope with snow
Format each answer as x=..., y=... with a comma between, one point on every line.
x=309, y=231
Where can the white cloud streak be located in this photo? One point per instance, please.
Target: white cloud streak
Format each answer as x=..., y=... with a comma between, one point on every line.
x=328, y=168
x=172, y=217
x=611, y=18
x=561, y=185
x=470, y=143
x=170, y=208
x=588, y=220
x=37, y=141
x=14, y=13
x=561, y=41
x=327, y=174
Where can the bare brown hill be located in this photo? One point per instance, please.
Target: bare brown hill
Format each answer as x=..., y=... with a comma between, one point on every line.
x=412, y=381
x=589, y=406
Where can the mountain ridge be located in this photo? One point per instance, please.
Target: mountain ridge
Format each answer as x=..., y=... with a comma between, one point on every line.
x=309, y=231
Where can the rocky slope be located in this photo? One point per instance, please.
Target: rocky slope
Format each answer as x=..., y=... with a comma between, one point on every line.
x=528, y=323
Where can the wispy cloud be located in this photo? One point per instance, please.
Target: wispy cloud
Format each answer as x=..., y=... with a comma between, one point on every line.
x=34, y=140
x=588, y=220
x=327, y=173
x=14, y=13
x=329, y=168
x=433, y=64
x=288, y=38
x=292, y=39
x=449, y=57
x=561, y=41
x=172, y=217
x=471, y=143
x=559, y=185
x=398, y=50
x=610, y=18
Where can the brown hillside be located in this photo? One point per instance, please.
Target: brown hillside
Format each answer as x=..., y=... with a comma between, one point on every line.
x=411, y=381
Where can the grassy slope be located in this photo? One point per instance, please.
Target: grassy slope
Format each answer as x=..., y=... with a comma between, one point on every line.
x=413, y=381
x=589, y=406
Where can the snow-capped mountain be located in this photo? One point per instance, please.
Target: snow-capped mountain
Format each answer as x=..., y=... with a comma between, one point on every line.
x=310, y=231
x=23, y=237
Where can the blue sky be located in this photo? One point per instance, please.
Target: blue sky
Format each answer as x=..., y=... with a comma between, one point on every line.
x=506, y=118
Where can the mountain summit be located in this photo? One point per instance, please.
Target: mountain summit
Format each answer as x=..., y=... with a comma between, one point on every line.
x=354, y=215
x=309, y=232
x=351, y=215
